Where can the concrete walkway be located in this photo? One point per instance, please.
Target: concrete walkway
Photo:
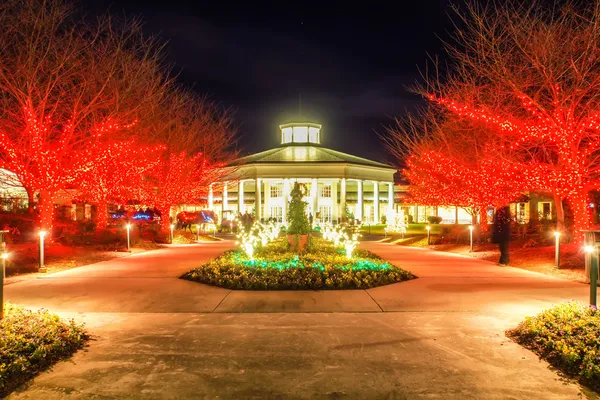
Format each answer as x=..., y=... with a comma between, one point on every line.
x=439, y=336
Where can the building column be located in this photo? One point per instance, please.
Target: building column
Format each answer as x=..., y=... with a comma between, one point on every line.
x=343, y=200
x=286, y=193
x=376, y=202
x=390, y=208
x=456, y=214
x=358, y=214
x=241, y=206
x=334, y=206
x=210, y=197
x=314, y=190
x=258, y=199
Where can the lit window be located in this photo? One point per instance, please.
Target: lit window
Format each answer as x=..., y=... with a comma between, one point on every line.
x=276, y=190
x=286, y=135
x=300, y=134
x=324, y=214
x=326, y=191
x=276, y=213
x=313, y=135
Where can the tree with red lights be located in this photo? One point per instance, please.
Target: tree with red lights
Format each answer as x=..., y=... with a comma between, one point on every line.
x=115, y=173
x=198, y=136
x=451, y=163
x=531, y=75
x=66, y=85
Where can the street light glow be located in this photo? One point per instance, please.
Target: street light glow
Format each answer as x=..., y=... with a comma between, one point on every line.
x=557, y=234
x=42, y=234
x=589, y=249
x=471, y=227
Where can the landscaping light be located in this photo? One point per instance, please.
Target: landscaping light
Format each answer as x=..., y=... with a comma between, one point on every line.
x=471, y=227
x=128, y=226
x=4, y=256
x=41, y=267
x=593, y=268
x=557, y=249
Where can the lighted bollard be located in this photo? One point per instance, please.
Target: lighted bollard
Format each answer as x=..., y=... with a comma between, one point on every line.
x=172, y=227
x=428, y=235
x=557, y=249
x=2, y=275
x=42, y=266
x=128, y=227
x=593, y=252
x=471, y=238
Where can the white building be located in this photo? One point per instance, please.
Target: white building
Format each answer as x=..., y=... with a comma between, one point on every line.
x=336, y=184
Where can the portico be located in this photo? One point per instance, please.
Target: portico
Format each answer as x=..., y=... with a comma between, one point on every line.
x=337, y=186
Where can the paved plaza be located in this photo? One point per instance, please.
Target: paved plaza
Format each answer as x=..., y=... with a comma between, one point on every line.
x=156, y=336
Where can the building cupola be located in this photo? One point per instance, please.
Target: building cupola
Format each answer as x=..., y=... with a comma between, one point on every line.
x=301, y=133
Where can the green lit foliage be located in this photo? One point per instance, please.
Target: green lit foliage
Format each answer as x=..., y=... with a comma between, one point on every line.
x=277, y=267
x=567, y=337
x=299, y=224
x=31, y=342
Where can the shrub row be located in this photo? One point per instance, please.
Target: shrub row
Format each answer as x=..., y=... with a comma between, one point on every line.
x=568, y=337
x=32, y=341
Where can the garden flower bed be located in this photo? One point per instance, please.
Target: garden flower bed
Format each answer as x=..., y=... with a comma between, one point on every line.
x=276, y=267
x=31, y=342
x=568, y=337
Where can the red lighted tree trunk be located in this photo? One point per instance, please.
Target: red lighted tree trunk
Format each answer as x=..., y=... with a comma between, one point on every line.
x=101, y=215
x=46, y=212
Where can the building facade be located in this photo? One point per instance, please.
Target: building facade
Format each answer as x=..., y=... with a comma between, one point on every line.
x=337, y=186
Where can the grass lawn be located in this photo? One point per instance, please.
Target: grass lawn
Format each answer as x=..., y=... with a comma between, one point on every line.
x=276, y=267
x=30, y=342
x=567, y=336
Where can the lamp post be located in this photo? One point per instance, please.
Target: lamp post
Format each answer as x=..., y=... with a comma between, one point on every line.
x=128, y=227
x=471, y=227
x=4, y=257
x=593, y=252
x=428, y=227
x=42, y=267
x=557, y=249
x=172, y=227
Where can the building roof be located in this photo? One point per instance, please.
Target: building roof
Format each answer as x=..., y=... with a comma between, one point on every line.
x=306, y=154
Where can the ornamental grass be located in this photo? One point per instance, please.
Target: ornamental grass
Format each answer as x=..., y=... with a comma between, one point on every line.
x=568, y=337
x=276, y=267
x=31, y=342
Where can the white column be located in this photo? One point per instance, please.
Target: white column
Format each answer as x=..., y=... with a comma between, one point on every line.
x=258, y=199
x=358, y=214
x=376, y=202
x=286, y=193
x=210, y=197
x=390, y=209
x=241, y=206
x=342, y=213
x=314, y=197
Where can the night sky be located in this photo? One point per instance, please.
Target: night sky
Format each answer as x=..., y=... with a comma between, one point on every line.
x=351, y=64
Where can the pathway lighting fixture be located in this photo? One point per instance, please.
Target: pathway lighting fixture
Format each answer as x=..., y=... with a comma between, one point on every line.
x=128, y=227
x=557, y=249
x=2, y=276
x=42, y=266
x=471, y=227
x=593, y=260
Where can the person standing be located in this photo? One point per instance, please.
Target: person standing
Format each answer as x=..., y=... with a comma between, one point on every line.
x=501, y=232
